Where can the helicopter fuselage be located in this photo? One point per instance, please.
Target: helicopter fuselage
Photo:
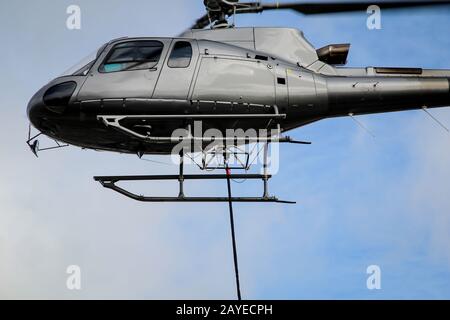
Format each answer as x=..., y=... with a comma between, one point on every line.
x=188, y=76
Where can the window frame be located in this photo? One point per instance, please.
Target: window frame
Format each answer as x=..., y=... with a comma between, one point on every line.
x=173, y=48
x=111, y=51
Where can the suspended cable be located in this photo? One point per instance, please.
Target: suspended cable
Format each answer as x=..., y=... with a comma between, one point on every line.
x=424, y=108
x=359, y=123
x=157, y=162
x=233, y=236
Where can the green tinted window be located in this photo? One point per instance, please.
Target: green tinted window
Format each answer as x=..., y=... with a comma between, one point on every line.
x=133, y=55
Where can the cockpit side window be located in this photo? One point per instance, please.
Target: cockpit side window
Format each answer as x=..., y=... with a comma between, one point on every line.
x=181, y=55
x=132, y=55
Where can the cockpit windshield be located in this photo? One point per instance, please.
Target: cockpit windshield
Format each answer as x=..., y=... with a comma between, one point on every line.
x=82, y=68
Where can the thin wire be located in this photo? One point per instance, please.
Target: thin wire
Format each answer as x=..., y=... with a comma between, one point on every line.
x=155, y=161
x=361, y=125
x=256, y=157
x=435, y=119
x=198, y=165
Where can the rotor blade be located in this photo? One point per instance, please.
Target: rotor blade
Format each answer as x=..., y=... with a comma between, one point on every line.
x=202, y=22
x=336, y=7
x=318, y=8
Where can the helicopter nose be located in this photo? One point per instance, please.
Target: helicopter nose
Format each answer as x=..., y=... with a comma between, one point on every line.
x=36, y=109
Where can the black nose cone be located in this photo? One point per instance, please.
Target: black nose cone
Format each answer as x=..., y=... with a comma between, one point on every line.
x=36, y=109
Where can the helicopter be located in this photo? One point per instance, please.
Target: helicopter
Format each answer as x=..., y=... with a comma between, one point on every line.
x=133, y=94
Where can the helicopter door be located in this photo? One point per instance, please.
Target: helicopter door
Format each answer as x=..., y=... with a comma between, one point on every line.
x=177, y=73
x=129, y=69
x=235, y=80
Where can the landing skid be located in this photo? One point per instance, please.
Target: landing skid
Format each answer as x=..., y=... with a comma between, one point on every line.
x=110, y=183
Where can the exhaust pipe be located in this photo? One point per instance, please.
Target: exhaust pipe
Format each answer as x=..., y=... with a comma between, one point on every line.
x=334, y=54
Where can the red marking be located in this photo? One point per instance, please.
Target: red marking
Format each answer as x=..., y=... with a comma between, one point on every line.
x=228, y=171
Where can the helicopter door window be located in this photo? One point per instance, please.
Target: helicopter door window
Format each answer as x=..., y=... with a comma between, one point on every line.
x=181, y=55
x=135, y=55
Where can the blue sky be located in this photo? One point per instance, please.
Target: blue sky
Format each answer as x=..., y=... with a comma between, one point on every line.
x=361, y=200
